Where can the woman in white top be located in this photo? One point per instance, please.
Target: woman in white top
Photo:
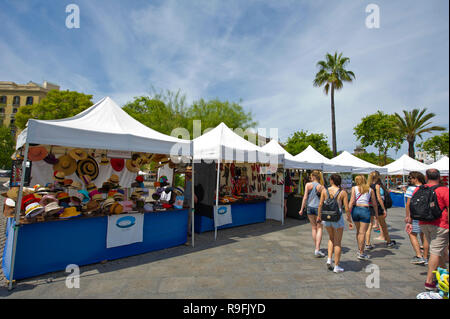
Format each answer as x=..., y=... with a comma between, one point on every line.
x=362, y=197
x=335, y=229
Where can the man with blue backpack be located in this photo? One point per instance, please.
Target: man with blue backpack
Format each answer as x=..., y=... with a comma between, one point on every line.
x=429, y=204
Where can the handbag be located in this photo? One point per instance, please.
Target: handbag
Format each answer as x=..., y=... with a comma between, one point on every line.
x=330, y=208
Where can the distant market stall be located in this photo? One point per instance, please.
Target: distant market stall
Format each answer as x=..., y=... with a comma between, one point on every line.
x=441, y=165
x=234, y=180
x=85, y=201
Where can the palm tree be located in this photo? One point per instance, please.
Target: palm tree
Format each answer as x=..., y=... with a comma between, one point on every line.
x=413, y=124
x=332, y=74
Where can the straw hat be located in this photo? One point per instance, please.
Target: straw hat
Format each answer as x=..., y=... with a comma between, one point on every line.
x=108, y=202
x=12, y=193
x=116, y=208
x=33, y=209
x=104, y=160
x=114, y=179
x=48, y=199
x=10, y=206
x=69, y=212
x=67, y=182
x=91, y=187
x=92, y=206
x=132, y=166
x=37, y=153
x=53, y=208
x=28, y=199
x=66, y=164
x=117, y=164
x=88, y=167
x=63, y=197
x=78, y=154
x=76, y=185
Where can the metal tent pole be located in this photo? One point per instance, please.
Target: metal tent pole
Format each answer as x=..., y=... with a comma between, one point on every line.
x=192, y=202
x=282, y=197
x=217, y=195
x=17, y=218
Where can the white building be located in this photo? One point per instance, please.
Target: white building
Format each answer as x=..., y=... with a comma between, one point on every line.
x=426, y=158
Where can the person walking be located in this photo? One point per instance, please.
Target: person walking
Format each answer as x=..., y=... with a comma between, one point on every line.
x=415, y=179
x=436, y=231
x=335, y=229
x=380, y=190
x=362, y=196
x=311, y=200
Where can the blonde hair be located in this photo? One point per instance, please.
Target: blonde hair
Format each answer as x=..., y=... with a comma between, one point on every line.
x=360, y=181
x=373, y=177
x=318, y=176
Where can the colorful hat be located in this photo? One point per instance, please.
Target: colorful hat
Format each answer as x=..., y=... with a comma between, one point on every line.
x=92, y=206
x=37, y=153
x=86, y=179
x=91, y=187
x=51, y=159
x=132, y=166
x=33, y=210
x=111, y=193
x=43, y=190
x=66, y=164
x=114, y=179
x=78, y=154
x=88, y=167
x=76, y=185
x=27, y=200
x=85, y=195
x=104, y=160
x=127, y=205
x=53, y=209
x=108, y=202
x=75, y=201
x=116, y=208
x=59, y=176
x=69, y=212
x=117, y=164
x=118, y=196
x=63, y=197
x=94, y=192
x=98, y=197
x=68, y=182
x=47, y=199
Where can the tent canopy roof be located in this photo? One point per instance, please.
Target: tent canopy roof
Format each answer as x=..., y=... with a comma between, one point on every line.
x=289, y=160
x=441, y=165
x=222, y=141
x=310, y=155
x=358, y=165
x=404, y=165
x=103, y=126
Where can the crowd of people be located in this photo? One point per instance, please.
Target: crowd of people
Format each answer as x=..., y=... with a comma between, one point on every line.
x=365, y=209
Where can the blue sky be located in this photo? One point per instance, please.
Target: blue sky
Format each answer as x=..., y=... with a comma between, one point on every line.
x=263, y=52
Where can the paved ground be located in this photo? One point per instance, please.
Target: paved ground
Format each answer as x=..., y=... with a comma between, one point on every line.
x=265, y=260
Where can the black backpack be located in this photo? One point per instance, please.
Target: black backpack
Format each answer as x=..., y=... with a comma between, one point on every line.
x=424, y=204
x=387, y=197
x=330, y=208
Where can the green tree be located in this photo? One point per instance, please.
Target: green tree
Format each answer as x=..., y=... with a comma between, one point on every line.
x=213, y=112
x=413, y=124
x=378, y=130
x=375, y=159
x=7, y=147
x=437, y=143
x=300, y=140
x=56, y=105
x=332, y=75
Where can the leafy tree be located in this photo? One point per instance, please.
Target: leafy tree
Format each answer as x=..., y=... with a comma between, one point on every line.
x=375, y=159
x=213, y=112
x=56, y=105
x=7, y=146
x=413, y=124
x=332, y=75
x=378, y=130
x=300, y=140
x=436, y=143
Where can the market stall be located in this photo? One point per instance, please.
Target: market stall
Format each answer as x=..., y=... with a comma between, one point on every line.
x=358, y=165
x=84, y=201
x=441, y=165
x=233, y=180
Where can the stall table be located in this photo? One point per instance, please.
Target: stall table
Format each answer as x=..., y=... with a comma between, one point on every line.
x=49, y=246
x=242, y=214
x=398, y=199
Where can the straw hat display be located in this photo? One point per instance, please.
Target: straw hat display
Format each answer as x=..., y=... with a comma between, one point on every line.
x=37, y=153
x=88, y=167
x=104, y=160
x=132, y=166
x=66, y=164
x=78, y=154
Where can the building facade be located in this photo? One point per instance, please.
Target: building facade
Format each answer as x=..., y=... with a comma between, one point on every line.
x=13, y=96
x=427, y=158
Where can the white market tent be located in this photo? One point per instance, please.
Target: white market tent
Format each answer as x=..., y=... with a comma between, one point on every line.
x=441, y=165
x=404, y=165
x=358, y=165
x=289, y=160
x=318, y=161
x=103, y=126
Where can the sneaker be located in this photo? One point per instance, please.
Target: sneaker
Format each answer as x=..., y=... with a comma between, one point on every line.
x=430, y=287
x=319, y=254
x=369, y=247
x=426, y=262
x=418, y=260
x=362, y=256
x=338, y=269
x=391, y=244
x=429, y=295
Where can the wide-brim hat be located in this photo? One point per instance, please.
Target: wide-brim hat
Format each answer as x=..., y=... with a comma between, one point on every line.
x=132, y=166
x=108, y=202
x=88, y=167
x=33, y=210
x=117, y=164
x=47, y=199
x=78, y=154
x=12, y=193
x=59, y=176
x=53, y=208
x=10, y=207
x=37, y=153
x=28, y=199
x=116, y=208
x=114, y=179
x=51, y=159
x=66, y=164
x=104, y=160
x=69, y=212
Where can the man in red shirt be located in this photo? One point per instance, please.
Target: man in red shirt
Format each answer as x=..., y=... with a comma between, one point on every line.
x=436, y=231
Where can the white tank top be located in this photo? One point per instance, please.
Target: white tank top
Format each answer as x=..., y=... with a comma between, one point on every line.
x=363, y=199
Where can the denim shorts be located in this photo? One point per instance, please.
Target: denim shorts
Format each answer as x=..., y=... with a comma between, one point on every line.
x=312, y=210
x=415, y=227
x=339, y=224
x=361, y=214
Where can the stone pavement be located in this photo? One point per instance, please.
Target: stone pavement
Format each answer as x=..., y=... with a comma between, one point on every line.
x=266, y=260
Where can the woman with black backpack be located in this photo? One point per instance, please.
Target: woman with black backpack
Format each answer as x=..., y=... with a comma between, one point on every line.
x=380, y=193
x=334, y=198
